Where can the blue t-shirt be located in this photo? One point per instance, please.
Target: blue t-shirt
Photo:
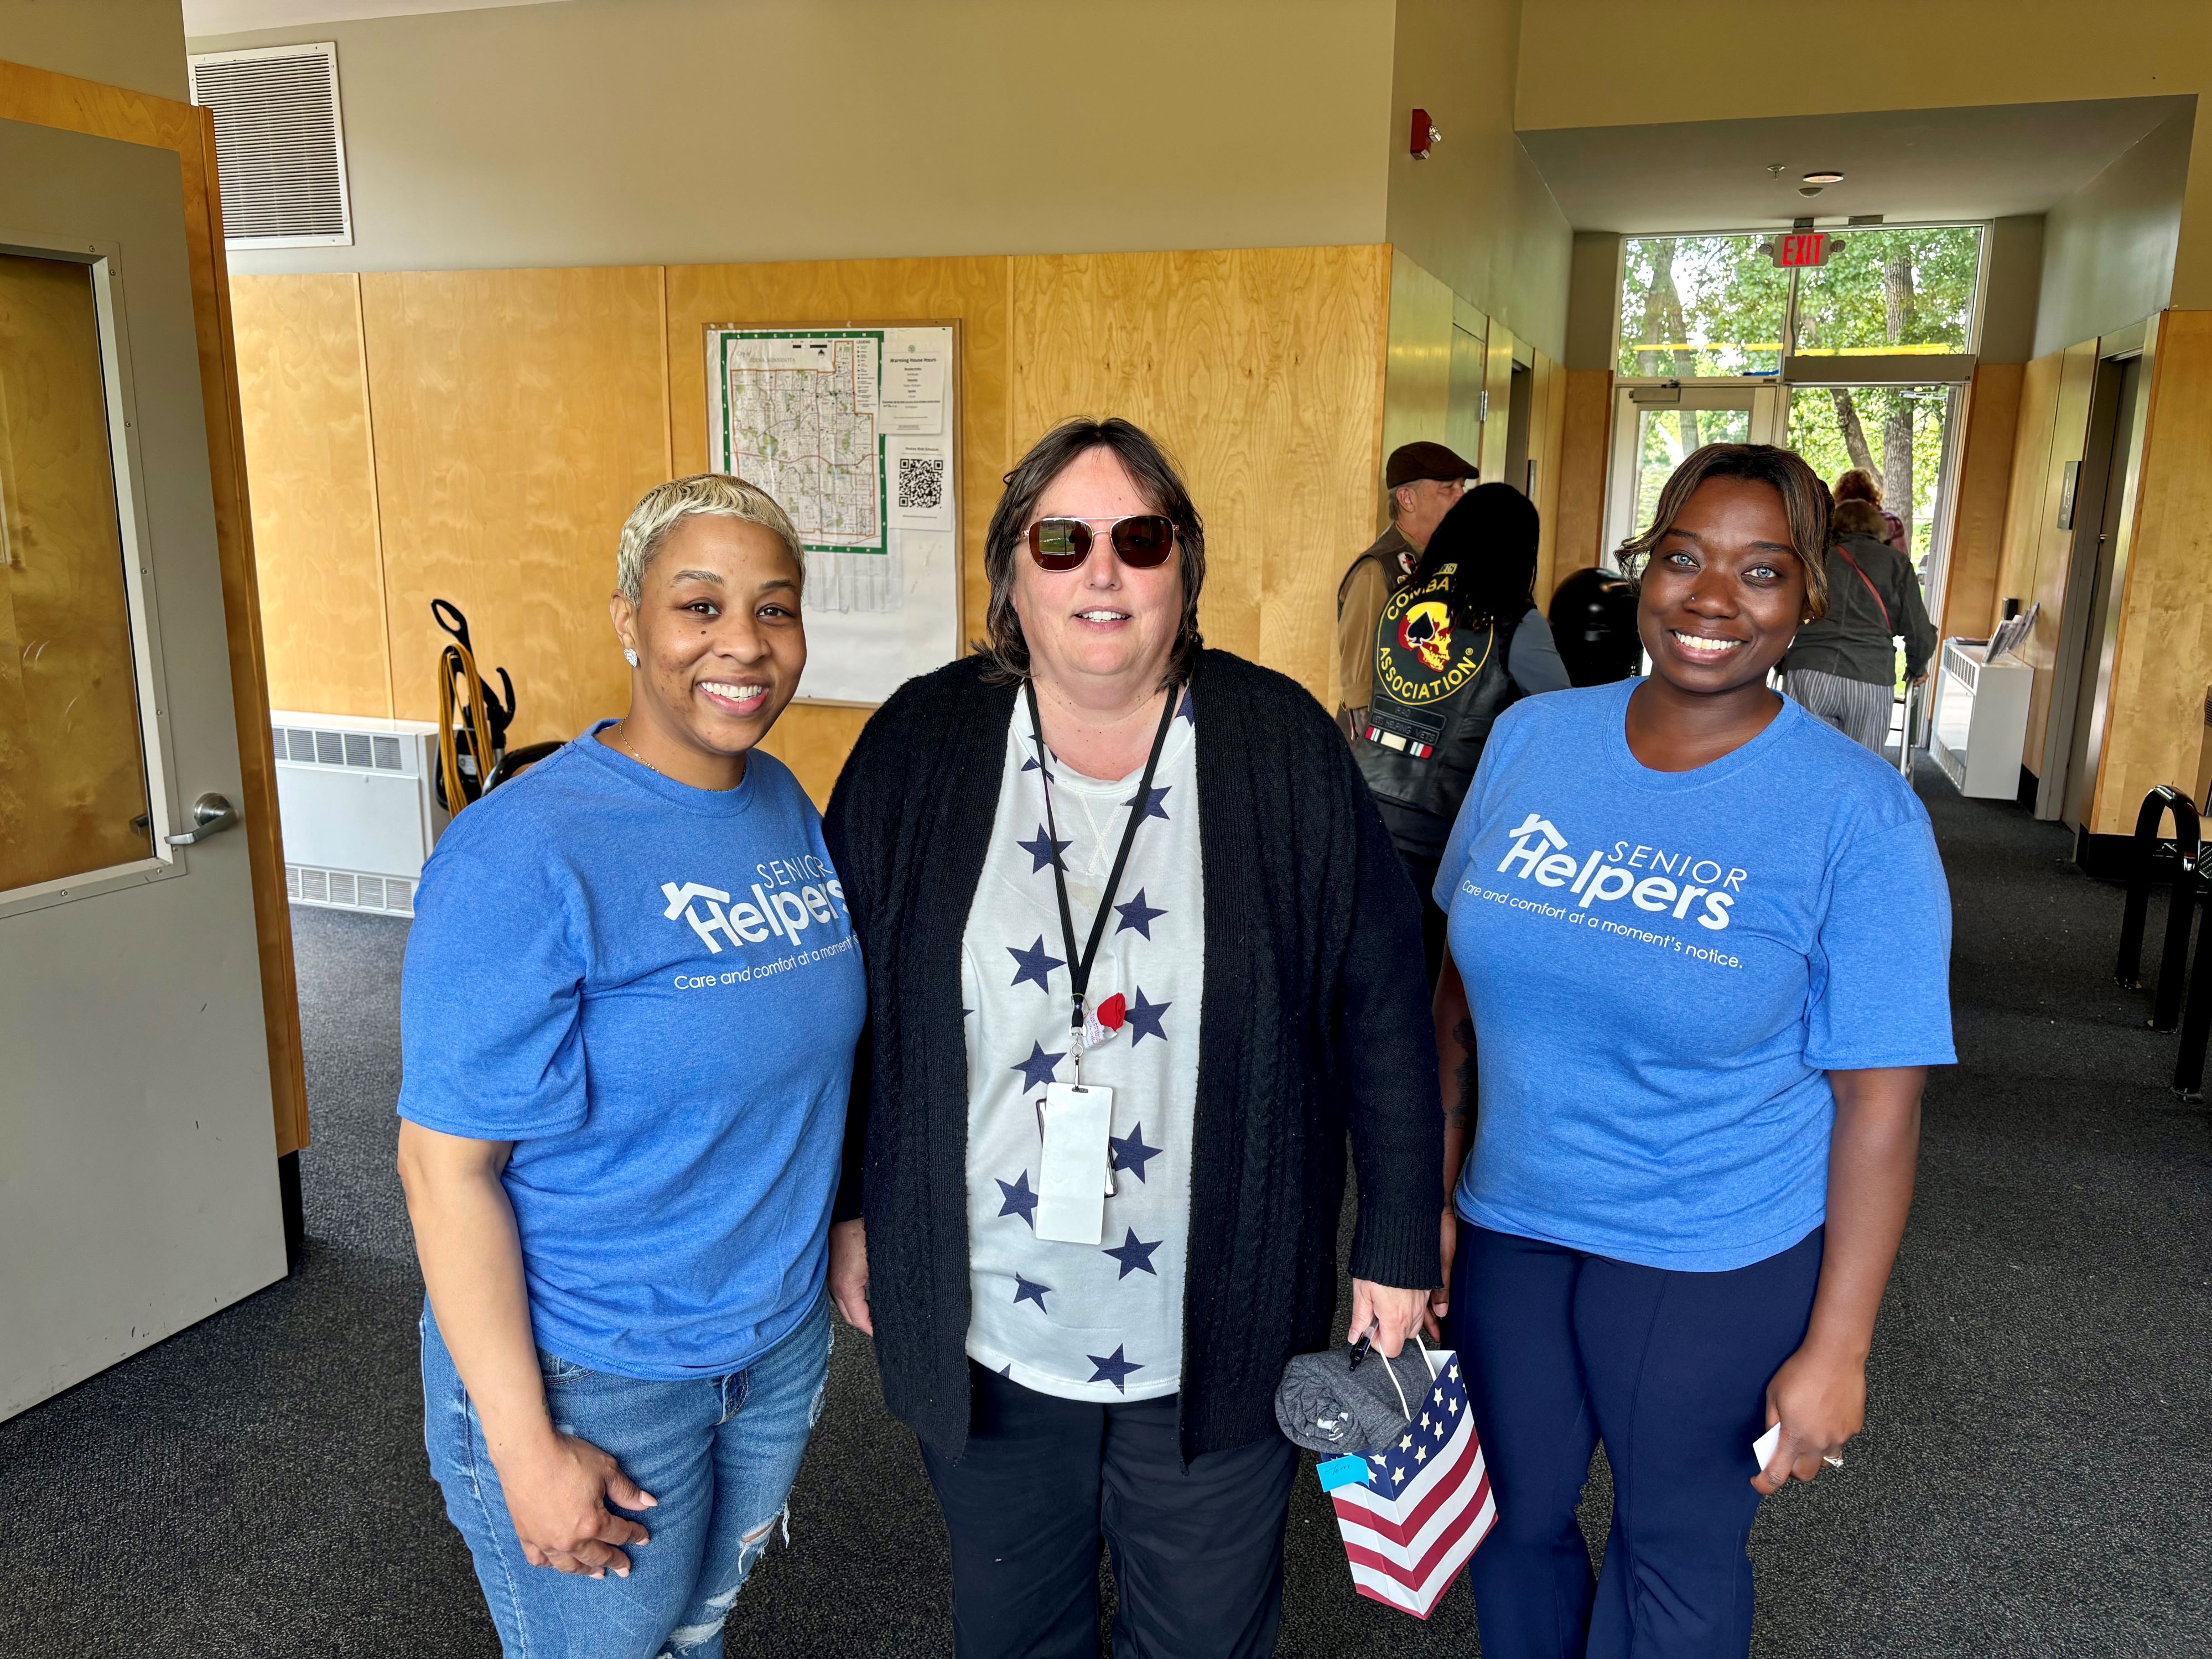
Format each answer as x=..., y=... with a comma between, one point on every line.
x=654, y=992
x=1663, y=966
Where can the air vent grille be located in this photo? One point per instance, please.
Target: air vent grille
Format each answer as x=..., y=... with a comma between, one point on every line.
x=279, y=144
x=363, y=752
x=347, y=890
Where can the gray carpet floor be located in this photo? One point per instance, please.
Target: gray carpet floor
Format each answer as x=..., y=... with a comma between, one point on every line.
x=2034, y=1479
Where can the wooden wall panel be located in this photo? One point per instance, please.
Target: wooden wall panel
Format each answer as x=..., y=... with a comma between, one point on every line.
x=1585, y=440
x=2162, y=664
x=1418, y=375
x=519, y=415
x=974, y=293
x=2031, y=458
x=1547, y=417
x=303, y=398
x=1257, y=369
x=2053, y=547
x=75, y=106
x=1985, y=457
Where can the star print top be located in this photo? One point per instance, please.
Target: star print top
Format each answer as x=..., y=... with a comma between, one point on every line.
x=1085, y=1322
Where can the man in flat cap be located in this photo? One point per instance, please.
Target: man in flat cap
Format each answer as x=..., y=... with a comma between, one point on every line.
x=1424, y=480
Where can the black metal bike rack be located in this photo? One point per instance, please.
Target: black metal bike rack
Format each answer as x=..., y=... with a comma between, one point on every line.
x=2197, y=1019
x=2149, y=855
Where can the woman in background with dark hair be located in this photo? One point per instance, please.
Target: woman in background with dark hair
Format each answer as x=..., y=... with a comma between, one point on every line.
x=1700, y=950
x=1097, y=853
x=1455, y=646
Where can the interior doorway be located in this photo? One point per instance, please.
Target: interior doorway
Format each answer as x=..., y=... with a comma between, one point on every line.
x=140, y=1191
x=1656, y=427
x=2074, y=739
x=1519, y=401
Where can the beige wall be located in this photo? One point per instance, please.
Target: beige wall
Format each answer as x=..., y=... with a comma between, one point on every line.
x=2015, y=279
x=1593, y=301
x=138, y=44
x=627, y=131
x=1476, y=213
x=2108, y=249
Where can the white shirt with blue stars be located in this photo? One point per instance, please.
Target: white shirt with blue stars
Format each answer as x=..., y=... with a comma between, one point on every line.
x=1085, y=1322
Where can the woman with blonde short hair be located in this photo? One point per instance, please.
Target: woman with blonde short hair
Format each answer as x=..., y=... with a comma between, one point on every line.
x=630, y=1002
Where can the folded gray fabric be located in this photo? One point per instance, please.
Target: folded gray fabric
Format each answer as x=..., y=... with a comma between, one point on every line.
x=1327, y=1406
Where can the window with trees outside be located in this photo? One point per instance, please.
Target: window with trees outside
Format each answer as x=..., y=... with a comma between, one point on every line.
x=1714, y=308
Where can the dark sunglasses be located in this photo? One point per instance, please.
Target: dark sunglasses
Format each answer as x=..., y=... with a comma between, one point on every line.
x=1142, y=541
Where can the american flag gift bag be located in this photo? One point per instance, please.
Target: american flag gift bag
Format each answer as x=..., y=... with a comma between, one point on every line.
x=1413, y=1508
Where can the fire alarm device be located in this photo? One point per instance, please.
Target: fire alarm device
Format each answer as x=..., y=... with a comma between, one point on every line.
x=1423, y=135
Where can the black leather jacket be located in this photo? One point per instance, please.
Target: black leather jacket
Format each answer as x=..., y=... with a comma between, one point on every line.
x=1440, y=688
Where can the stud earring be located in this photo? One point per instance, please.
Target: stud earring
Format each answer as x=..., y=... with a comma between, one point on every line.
x=630, y=656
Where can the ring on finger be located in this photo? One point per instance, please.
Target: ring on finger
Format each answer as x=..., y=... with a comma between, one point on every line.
x=1833, y=1460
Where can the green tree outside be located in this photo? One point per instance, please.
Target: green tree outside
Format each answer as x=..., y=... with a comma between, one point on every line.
x=1705, y=307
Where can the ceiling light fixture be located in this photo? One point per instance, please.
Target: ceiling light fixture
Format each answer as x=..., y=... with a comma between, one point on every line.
x=1825, y=176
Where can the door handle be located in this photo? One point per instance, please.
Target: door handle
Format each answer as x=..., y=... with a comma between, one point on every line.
x=211, y=815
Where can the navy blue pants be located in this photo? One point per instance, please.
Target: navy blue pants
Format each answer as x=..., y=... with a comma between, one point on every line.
x=1562, y=1349
x=1197, y=1551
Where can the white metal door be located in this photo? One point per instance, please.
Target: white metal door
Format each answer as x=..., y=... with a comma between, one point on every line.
x=1656, y=427
x=137, y=1153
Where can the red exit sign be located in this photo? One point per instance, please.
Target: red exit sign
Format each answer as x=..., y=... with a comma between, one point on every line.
x=1800, y=250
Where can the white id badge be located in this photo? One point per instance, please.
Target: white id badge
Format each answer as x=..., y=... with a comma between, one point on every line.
x=1071, y=1184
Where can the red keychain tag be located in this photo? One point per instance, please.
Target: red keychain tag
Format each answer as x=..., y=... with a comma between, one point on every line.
x=1103, y=1024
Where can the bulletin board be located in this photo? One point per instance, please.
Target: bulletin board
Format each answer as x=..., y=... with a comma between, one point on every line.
x=854, y=431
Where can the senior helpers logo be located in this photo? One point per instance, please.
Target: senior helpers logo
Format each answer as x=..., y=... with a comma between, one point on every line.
x=781, y=912
x=1658, y=879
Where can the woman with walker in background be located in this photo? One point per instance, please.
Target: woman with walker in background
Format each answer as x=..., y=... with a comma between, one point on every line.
x=1699, y=949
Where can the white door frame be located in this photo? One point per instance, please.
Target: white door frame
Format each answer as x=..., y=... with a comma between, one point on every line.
x=1764, y=398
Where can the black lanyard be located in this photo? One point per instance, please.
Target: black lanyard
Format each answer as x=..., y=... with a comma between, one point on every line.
x=1079, y=967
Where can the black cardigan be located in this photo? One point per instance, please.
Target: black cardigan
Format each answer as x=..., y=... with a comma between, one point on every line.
x=1315, y=1021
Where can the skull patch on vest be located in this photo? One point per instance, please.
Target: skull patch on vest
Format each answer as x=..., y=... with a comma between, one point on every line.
x=1418, y=657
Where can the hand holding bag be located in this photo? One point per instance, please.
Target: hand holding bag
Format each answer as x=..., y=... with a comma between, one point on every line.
x=1412, y=1494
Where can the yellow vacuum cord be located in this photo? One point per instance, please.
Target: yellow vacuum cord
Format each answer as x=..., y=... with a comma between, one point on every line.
x=455, y=662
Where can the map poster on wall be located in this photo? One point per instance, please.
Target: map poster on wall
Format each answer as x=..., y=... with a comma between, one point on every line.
x=851, y=429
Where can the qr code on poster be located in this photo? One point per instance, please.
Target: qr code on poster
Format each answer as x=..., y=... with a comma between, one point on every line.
x=921, y=483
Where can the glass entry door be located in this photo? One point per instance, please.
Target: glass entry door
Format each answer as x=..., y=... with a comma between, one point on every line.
x=1899, y=435
x=1655, y=427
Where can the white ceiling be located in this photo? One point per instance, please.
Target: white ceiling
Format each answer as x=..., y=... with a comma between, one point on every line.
x=206, y=17
x=1973, y=163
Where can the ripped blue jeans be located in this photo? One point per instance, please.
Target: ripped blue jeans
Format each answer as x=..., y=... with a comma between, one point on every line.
x=719, y=1453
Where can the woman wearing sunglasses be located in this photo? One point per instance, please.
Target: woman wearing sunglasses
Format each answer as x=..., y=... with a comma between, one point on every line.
x=1134, y=933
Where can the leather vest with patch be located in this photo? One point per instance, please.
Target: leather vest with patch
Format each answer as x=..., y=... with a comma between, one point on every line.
x=1438, y=689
